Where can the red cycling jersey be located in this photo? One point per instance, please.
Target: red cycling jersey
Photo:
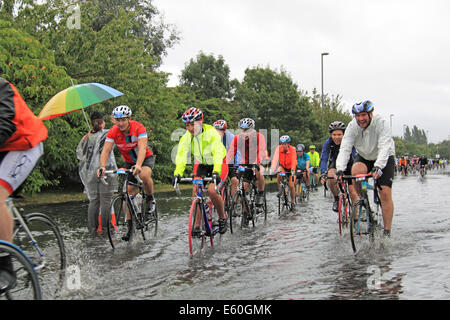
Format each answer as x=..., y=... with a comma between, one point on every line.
x=253, y=150
x=128, y=145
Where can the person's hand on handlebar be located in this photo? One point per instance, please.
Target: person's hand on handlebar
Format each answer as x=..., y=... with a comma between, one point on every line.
x=338, y=176
x=136, y=169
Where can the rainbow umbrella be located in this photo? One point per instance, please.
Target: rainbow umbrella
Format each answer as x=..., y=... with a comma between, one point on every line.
x=77, y=97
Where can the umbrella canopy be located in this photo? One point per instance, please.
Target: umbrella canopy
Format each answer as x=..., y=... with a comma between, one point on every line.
x=76, y=98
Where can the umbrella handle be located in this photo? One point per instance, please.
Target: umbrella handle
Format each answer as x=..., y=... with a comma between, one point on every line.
x=85, y=118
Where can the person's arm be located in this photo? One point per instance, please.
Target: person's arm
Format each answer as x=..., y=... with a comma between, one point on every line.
x=104, y=156
x=385, y=144
x=7, y=111
x=182, y=152
x=275, y=160
x=324, y=156
x=142, y=151
x=232, y=151
x=346, y=146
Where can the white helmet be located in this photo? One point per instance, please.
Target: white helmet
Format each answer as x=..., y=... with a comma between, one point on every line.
x=121, y=112
x=247, y=123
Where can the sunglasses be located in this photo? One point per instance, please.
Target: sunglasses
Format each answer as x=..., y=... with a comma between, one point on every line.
x=188, y=118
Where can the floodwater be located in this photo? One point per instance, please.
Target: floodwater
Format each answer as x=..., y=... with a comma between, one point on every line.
x=295, y=256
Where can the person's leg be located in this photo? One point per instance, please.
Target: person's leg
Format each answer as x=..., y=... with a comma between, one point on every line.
x=93, y=211
x=6, y=220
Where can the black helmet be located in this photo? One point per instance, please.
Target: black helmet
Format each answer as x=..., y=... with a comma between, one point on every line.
x=336, y=125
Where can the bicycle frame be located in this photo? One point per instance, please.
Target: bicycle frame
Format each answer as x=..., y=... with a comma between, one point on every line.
x=18, y=218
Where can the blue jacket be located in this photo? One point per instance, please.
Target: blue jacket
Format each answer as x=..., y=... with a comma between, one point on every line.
x=330, y=151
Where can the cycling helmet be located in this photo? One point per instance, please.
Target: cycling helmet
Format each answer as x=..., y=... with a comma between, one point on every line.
x=121, y=112
x=365, y=106
x=312, y=146
x=285, y=139
x=220, y=124
x=336, y=125
x=192, y=114
x=247, y=123
x=300, y=147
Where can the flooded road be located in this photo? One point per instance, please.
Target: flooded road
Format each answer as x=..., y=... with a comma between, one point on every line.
x=297, y=256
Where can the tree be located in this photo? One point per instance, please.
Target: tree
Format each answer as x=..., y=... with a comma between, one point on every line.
x=275, y=102
x=208, y=77
x=31, y=67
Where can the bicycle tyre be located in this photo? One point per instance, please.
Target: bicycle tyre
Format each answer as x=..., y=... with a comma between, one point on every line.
x=360, y=224
x=235, y=210
x=149, y=224
x=118, y=209
x=27, y=285
x=196, y=243
x=51, y=252
x=342, y=212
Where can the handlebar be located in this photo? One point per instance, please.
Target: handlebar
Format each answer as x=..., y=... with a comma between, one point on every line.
x=200, y=179
x=118, y=171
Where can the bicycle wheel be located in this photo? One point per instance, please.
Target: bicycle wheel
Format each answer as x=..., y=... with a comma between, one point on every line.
x=196, y=240
x=360, y=224
x=47, y=250
x=27, y=285
x=118, y=225
x=236, y=209
x=148, y=223
x=342, y=213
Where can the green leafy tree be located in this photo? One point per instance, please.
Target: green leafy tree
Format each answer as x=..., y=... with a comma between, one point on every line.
x=31, y=67
x=208, y=77
x=275, y=102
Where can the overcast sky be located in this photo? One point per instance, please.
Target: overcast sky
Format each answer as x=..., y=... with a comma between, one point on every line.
x=395, y=53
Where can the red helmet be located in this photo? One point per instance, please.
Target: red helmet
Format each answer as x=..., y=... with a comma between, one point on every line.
x=192, y=114
x=220, y=124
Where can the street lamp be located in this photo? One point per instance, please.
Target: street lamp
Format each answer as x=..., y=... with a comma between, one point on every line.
x=390, y=116
x=321, y=64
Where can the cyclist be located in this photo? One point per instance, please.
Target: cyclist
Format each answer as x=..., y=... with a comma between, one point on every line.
x=252, y=146
x=203, y=141
x=131, y=138
x=314, y=159
x=303, y=164
x=227, y=138
x=328, y=158
x=286, y=156
x=372, y=139
x=423, y=163
x=21, y=145
x=403, y=165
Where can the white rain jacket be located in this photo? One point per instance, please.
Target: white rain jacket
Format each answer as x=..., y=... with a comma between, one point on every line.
x=88, y=153
x=373, y=143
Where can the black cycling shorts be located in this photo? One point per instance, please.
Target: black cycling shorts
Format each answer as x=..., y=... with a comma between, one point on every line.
x=388, y=172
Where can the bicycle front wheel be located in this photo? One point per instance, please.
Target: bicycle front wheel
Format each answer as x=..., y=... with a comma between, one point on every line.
x=197, y=233
x=360, y=225
x=342, y=213
x=27, y=285
x=47, y=250
x=117, y=219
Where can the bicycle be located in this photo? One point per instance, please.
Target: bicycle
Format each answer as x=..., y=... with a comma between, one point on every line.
x=124, y=203
x=200, y=210
x=27, y=284
x=344, y=202
x=40, y=238
x=283, y=193
x=243, y=206
x=363, y=221
x=301, y=190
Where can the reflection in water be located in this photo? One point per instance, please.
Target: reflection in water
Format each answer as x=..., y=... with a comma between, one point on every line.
x=299, y=255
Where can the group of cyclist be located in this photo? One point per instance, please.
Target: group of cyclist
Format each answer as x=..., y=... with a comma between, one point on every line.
x=365, y=145
x=406, y=165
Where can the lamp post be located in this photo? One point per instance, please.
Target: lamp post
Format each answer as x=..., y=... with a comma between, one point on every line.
x=321, y=67
x=390, y=116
